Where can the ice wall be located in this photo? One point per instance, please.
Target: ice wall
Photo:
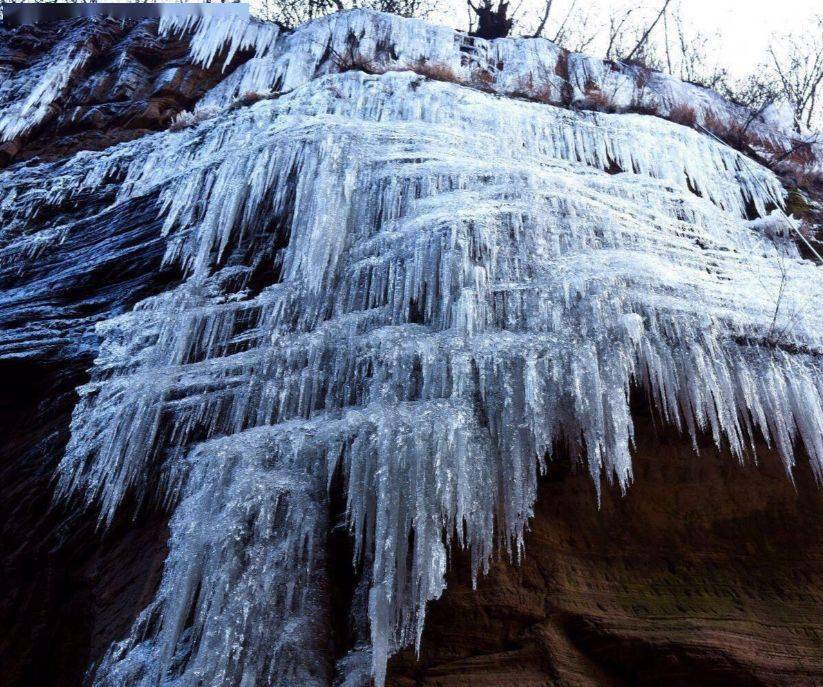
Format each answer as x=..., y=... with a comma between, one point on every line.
x=535, y=69
x=420, y=292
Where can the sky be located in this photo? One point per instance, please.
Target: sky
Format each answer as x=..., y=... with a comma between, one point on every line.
x=746, y=26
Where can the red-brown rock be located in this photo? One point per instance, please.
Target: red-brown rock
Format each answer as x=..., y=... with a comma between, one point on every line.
x=706, y=572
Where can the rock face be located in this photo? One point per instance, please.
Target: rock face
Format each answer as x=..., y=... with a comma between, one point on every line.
x=125, y=81
x=706, y=573
x=69, y=589
x=294, y=367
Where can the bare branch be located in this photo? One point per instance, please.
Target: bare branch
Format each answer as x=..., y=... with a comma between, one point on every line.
x=616, y=31
x=546, y=11
x=559, y=35
x=645, y=36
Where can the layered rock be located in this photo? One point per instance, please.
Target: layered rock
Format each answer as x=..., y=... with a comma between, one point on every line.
x=88, y=84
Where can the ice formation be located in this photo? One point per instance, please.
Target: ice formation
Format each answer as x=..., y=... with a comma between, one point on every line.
x=536, y=69
x=417, y=291
x=212, y=34
x=27, y=96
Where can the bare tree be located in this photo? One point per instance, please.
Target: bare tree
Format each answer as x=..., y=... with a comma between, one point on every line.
x=575, y=29
x=626, y=33
x=792, y=71
x=547, y=8
x=796, y=65
x=645, y=36
x=619, y=24
x=754, y=92
x=493, y=21
x=689, y=54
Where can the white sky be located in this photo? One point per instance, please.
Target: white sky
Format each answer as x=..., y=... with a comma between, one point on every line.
x=746, y=27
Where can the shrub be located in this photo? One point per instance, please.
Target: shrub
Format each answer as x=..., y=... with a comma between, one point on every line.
x=187, y=119
x=683, y=114
x=796, y=203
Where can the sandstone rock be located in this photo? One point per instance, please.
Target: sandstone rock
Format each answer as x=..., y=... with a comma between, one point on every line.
x=705, y=573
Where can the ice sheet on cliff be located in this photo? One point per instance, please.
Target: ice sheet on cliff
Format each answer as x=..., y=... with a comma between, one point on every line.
x=418, y=291
x=27, y=95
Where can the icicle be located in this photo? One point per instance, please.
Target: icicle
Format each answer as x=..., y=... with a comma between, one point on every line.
x=242, y=599
x=443, y=316
x=210, y=34
x=27, y=96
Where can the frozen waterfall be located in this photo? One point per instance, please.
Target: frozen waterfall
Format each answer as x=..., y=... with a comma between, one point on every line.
x=419, y=291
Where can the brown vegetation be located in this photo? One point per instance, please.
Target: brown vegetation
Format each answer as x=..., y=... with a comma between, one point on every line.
x=187, y=119
x=598, y=101
x=683, y=114
x=251, y=97
x=483, y=78
x=436, y=71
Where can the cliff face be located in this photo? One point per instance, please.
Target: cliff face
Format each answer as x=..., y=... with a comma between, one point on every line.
x=706, y=573
x=294, y=367
x=83, y=85
x=70, y=589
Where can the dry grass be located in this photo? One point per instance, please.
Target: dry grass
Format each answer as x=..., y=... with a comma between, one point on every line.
x=597, y=100
x=799, y=153
x=251, y=97
x=538, y=87
x=187, y=119
x=641, y=78
x=436, y=71
x=543, y=93
x=483, y=77
x=683, y=114
x=735, y=134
